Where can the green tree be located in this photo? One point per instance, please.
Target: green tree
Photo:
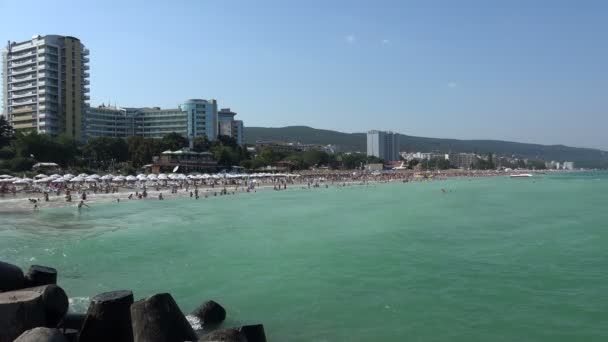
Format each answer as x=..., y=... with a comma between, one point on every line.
x=141, y=150
x=227, y=141
x=44, y=148
x=105, y=150
x=174, y=141
x=6, y=132
x=201, y=144
x=315, y=157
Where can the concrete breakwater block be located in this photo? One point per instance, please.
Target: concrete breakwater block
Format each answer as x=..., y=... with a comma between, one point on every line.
x=40, y=275
x=55, y=303
x=210, y=312
x=11, y=277
x=72, y=321
x=41, y=334
x=158, y=319
x=108, y=318
x=20, y=310
x=246, y=333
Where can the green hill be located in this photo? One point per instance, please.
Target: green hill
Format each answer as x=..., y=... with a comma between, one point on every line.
x=583, y=157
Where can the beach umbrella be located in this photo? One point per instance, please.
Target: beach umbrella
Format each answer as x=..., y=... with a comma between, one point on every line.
x=94, y=176
x=83, y=175
x=152, y=177
x=77, y=179
x=5, y=176
x=91, y=179
x=68, y=176
x=43, y=180
x=42, y=175
x=58, y=180
x=22, y=181
x=163, y=176
x=55, y=176
x=131, y=178
x=107, y=177
x=119, y=178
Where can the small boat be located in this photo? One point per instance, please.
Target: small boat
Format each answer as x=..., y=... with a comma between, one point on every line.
x=522, y=175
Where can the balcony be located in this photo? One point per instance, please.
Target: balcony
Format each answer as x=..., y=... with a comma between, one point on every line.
x=22, y=78
x=85, y=59
x=18, y=118
x=22, y=86
x=86, y=74
x=18, y=56
x=86, y=97
x=85, y=82
x=86, y=90
x=85, y=52
x=23, y=110
x=23, y=101
x=16, y=72
x=17, y=95
x=85, y=67
x=22, y=62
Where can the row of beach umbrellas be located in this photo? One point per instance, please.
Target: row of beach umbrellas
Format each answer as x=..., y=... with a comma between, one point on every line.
x=94, y=178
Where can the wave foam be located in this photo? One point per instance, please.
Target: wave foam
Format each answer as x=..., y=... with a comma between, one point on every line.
x=194, y=322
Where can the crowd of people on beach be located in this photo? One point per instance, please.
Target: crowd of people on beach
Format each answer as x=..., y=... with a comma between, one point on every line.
x=218, y=186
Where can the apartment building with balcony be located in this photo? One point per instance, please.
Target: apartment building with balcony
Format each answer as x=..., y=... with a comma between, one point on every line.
x=45, y=85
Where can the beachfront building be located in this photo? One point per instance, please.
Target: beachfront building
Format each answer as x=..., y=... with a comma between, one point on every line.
x=384, y=145
x=192, y=119
x=463, y=160
x=568, y=165
x=228, y=126
x=108, y=121
x=186, y=161
x=45, y=85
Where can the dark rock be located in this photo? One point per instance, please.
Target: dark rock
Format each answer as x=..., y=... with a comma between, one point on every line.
x=70, y=334
x=159, y=319
x=246, y=333
x=108, y=318
x=55, y=303
x=20, y=310
x=226, y=335
x=210, y=312
x=254, y=333
x=11, y=277
x=41, y=335
x=72, y=321
x=40, y=275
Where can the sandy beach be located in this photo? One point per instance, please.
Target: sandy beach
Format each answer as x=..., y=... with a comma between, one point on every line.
x=22, y=200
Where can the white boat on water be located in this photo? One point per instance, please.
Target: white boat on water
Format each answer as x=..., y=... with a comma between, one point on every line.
x=522, y=175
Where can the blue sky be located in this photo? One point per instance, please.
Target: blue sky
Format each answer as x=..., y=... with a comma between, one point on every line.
x=529, y=71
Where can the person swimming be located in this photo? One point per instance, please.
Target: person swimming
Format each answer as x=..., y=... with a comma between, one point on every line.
x=82, y=204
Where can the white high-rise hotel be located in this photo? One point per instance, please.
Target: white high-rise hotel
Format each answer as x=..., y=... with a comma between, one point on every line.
x=384, y=145
x=45, y=85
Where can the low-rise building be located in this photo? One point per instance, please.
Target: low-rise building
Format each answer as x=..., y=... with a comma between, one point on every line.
x=186, y=161
x=463, y=160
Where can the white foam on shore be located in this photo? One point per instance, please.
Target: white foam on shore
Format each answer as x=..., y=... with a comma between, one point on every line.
x=79, y=304
x=194, y=322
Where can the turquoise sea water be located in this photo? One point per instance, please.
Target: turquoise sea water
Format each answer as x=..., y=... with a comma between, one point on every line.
x=494, y=259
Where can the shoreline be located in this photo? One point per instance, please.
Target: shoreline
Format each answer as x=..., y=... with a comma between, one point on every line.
x=20, y=202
